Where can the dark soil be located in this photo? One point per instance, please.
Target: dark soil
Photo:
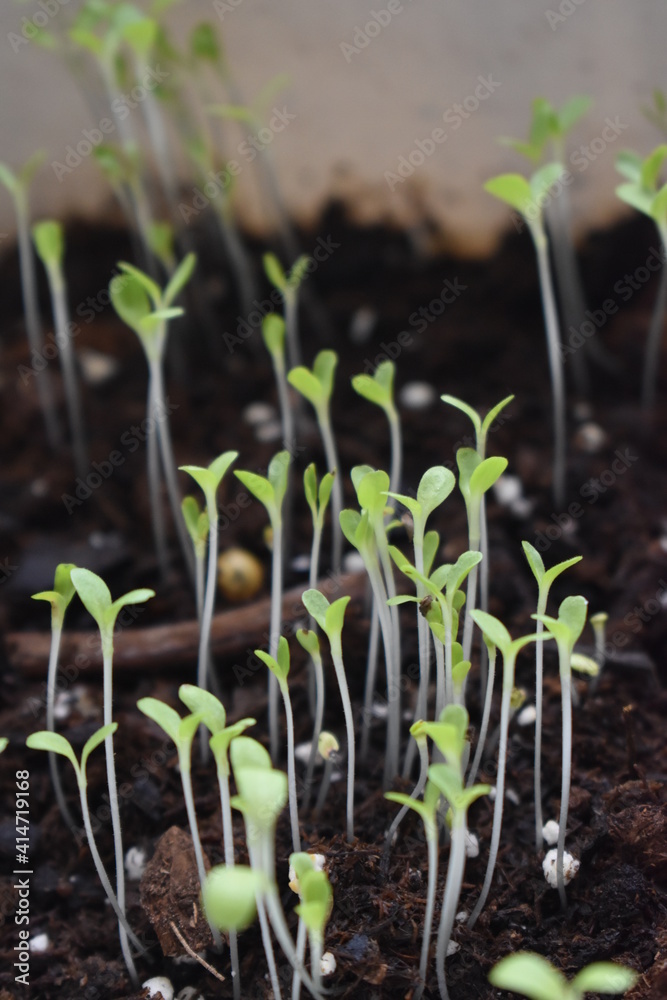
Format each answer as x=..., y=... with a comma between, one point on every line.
x=487, y=344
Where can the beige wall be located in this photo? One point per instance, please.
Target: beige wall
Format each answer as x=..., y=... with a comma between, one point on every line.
x=357, y=112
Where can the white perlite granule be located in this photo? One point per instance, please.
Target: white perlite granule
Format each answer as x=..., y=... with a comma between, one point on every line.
x=570, y=867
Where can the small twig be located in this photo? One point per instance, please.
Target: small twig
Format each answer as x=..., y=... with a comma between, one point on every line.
x=193, y=954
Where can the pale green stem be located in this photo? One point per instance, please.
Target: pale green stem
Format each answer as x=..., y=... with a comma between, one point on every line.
x=394, y=718
x=312, y=624
x=432, y=844
x=416, y=791
x=186, y=781
x=316, y=661
x=331, y=456
x=236, y=254
x=488, y=698
x=169, y=466
x=72, y=394
x=396, y=450
x=107, y=659
x=440, y=677
x=324, y=787
x=337, y=657
x=301, y=937
x=508, y=684
x=474, y=535
x=268, y=947
x=153, y=462
x=371, y=677
x=555, y=366
x=483, y=590
x=291, y=304
x=32, y=321
x=455, y=870
x=51, y=675
x=424, y=646
x=315, y=940
x=291, y=769
x=569, y=283
x=380, y=601
x=652, y=356
x=274, y=629
x=228, y=848
x=207, y=614
x=566, y=701
x=539, y=685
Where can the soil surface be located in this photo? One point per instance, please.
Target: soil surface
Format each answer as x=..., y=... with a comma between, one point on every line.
x=485, y=343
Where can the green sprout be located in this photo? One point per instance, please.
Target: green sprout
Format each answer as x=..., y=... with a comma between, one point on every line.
x=379, y=389
x=50, y=244
x=315, y=903
x=209, y=480
x=566, y=630
x=496, y=633
x=18, y=184
x=434, y=487
x=641, y=191
x=280, y=667
x=288, y=284
x=161, y=242
x=527, y=197
x=656, y=112
x=270, y=490
x=182, y=733
x=147, y=309
x=273, y=332
x=598, y=623
x=547, y=140
x=96, y=599
x=317, y=386
x=59, y=599
x=535, y=977
x=545, y=579
x=54, y=743
x=317, y=498
x=330, y=619
x=307, y=638
x=197, y=526
x=4, y=742
x=212, y=713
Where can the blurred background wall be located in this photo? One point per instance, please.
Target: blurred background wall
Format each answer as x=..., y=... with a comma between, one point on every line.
x=369, y=82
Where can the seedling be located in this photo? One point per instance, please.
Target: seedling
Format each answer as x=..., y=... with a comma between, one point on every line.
x=59, y=599
x=533, y=976
x=545, y=579
x=418, y=732
x=270, y=490
x=330, y=619
x=317, y=498
x=50, y=244
x=96, y=599
x=288, y=285
x=527, y=197
x=566, y=630
x=476, y=476
x=315, y=903
x=547, y=139
x=434, y=487
x=273, y=332
x=379, y=389
x=182, y=733
x=279, y=667
x=308, y=640
x=327, y=747
x=18, y=185
x=497, y=634
x=146, y=309
x=598, y=623
x=54, y=743
x=317, y=387
x=209, y=480
x=641, y=192
x=197, y=525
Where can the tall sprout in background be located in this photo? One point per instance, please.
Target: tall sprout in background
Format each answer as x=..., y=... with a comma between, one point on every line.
x=547, y=140
x=18, y=185
x=50, y=244
x=379, y=389
x=288, y=284
x=641, y=191
x=528, y=197
x=146, y=309
x=270, y=490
